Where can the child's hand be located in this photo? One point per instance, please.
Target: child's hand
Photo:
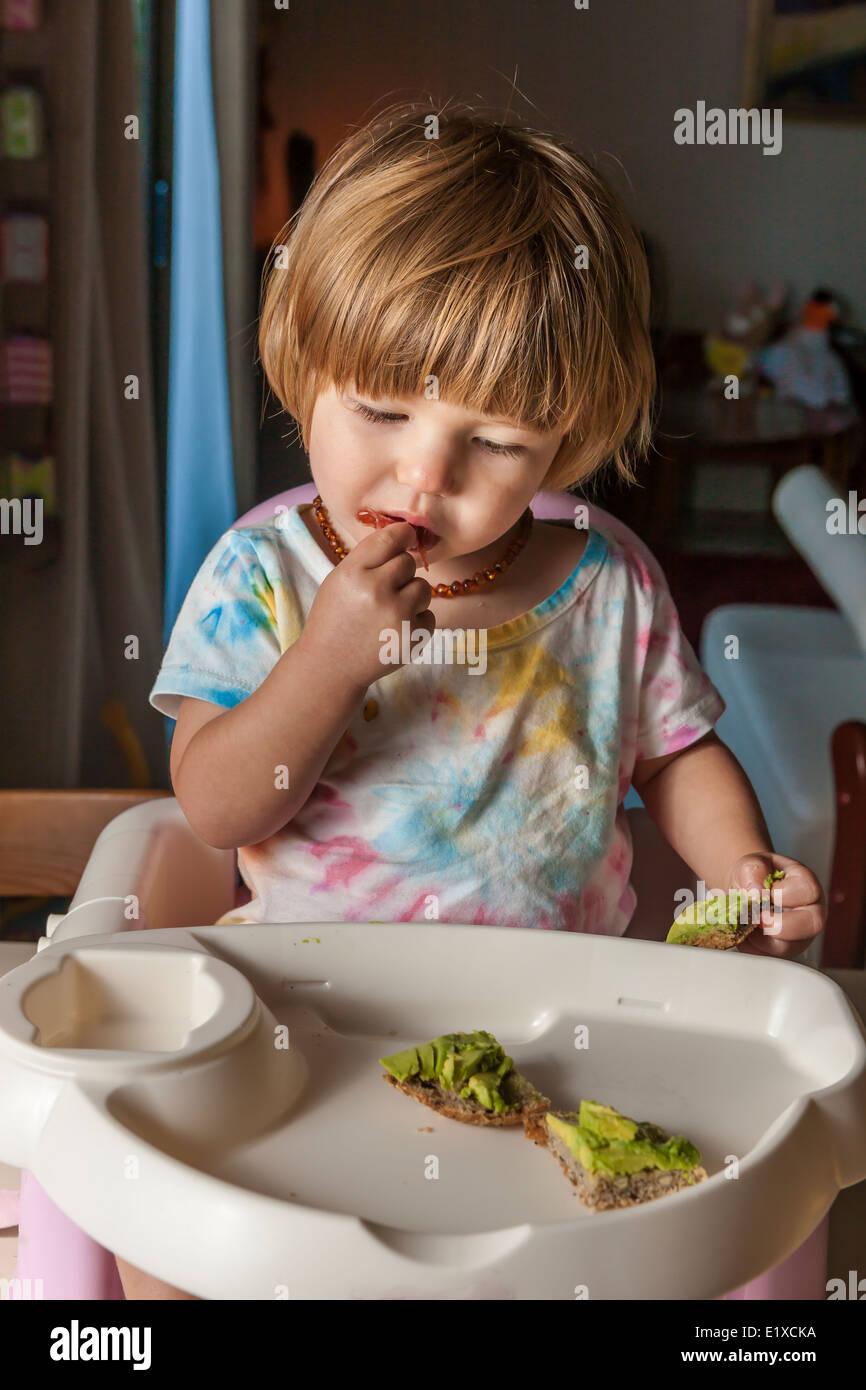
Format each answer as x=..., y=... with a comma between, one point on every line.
x=373, y=589
x=798, y=913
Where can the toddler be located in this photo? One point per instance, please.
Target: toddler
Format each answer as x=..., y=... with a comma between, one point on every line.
x=457, y=319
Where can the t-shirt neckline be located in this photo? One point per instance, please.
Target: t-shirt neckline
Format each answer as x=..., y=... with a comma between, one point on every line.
x=319, y=565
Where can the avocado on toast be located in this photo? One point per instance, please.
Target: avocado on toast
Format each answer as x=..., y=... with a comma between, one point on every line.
x=614, y=1161
x=466, y=1077
x=721, y=920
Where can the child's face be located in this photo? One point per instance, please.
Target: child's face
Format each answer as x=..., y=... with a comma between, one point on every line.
x=469, y=477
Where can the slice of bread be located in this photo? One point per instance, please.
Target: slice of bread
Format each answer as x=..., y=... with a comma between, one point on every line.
x=604, y=1191
x=732, y=917
x=535, y=1128
x=718, y=939
x=730, y=922
x=530, y=1105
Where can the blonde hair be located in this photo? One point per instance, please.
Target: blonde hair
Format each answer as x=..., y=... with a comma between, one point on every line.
x=456, y=257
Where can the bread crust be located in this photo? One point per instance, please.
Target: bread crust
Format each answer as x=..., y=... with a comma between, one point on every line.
x=605, y=1192
x=470, y=1112
x=535, y=1128
x=721, y=940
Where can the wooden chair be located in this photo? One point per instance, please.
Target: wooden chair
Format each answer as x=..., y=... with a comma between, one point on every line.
x=844, y=941
x=46, y=837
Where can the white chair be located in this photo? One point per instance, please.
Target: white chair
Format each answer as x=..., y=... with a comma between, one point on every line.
x=794, y=683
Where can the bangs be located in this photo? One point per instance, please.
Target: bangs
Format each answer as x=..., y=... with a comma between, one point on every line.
x=477, y=333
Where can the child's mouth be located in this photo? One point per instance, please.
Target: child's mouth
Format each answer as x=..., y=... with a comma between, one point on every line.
x=425, y=539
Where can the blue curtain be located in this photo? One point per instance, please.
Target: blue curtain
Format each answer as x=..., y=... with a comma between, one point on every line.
x=200, y=502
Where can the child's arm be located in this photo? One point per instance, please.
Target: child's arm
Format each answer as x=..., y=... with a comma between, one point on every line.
x=706, y=808
x=229, y=775
x=225, y=775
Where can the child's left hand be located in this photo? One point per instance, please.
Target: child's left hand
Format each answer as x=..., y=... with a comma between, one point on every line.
x=799, y=911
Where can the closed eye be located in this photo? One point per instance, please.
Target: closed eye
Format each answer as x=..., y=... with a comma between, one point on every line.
x=384, y=417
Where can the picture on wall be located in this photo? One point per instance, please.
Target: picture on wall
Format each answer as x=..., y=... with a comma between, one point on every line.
x=807, y=57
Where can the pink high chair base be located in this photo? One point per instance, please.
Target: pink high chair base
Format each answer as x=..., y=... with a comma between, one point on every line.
x=71, y=1265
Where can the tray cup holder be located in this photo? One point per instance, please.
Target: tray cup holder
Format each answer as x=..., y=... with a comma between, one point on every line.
x=188, y=1050
x=123, y=1001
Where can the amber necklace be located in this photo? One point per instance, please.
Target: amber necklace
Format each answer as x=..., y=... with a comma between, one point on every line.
x=459, y=586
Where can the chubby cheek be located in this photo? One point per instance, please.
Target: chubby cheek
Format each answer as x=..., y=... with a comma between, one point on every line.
x=483, y=529
x=494, y=511
x=343, y=469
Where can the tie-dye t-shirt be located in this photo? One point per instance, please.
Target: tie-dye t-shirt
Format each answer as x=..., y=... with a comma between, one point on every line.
x=491, y=798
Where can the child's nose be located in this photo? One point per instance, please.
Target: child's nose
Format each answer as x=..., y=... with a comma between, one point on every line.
x=430, y=470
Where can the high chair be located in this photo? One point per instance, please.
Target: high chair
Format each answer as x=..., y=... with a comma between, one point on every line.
x=178, y=880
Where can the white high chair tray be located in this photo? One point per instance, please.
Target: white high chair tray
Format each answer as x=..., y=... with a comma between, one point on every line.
x=141, y=1084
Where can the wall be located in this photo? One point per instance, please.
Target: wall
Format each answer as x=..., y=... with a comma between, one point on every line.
x=611, y=77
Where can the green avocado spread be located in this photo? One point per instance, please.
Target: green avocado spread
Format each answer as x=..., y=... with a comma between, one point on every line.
x=603, y=1141
x=719, y=912
x=473, y=1064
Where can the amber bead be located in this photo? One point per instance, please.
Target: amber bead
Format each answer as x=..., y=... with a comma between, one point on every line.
x=458, y=587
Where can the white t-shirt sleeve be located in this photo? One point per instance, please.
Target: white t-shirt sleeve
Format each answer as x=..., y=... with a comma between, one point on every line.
x=678, y=701
x=225, y=640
